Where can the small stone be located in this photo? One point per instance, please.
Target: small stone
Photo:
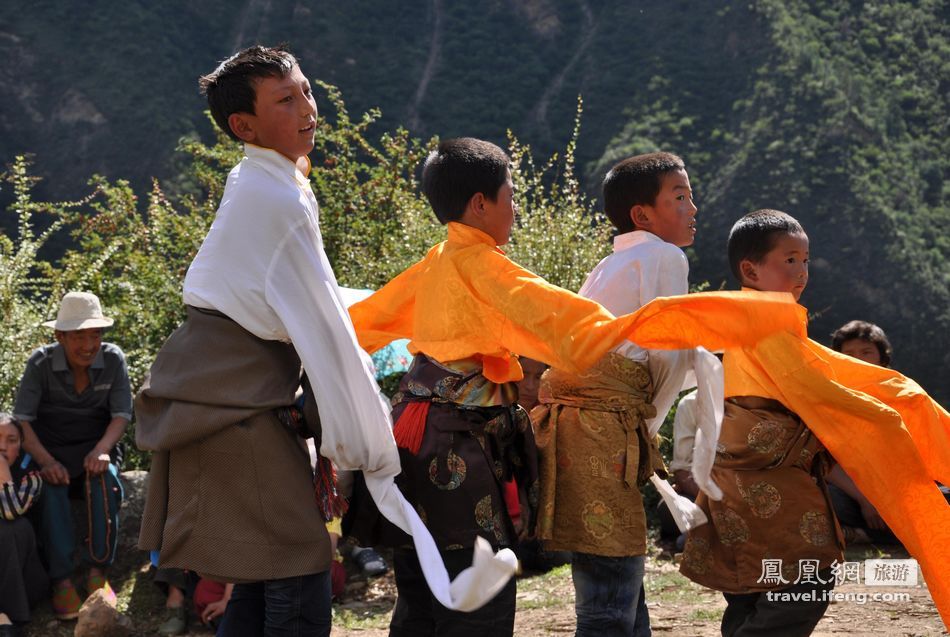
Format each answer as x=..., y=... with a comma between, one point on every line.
x=98, y=617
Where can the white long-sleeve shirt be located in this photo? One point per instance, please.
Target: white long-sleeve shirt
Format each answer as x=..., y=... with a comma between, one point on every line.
x=642, y=268
x=263, y=265
x=684, y=433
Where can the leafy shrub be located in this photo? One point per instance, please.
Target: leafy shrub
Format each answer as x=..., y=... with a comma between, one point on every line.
x=375, y=223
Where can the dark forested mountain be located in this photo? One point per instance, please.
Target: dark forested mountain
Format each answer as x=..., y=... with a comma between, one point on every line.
x=834, y=111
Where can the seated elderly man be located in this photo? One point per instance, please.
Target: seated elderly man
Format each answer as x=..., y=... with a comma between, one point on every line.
x=74, y=402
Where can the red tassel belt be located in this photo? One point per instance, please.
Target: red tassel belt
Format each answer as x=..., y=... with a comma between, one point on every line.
x=411, y=426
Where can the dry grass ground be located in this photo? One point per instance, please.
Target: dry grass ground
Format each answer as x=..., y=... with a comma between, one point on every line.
x=678, y=608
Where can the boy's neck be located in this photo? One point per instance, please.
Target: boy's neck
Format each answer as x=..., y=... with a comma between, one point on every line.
x=473, y=221
x=302, y=163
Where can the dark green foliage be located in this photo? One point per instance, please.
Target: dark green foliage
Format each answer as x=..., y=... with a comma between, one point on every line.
x=834, y=111
x=375, y=223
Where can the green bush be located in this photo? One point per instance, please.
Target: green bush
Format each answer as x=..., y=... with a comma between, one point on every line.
x=374, y=220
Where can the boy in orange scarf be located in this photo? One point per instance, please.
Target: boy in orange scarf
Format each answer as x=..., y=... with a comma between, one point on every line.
x=788, y=399
x=470, y=312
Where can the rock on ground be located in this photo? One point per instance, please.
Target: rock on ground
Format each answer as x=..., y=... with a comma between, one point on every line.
x=98, y=617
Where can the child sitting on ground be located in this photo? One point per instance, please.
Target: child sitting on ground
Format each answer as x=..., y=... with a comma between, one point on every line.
x=860, y=521
x=23, y=582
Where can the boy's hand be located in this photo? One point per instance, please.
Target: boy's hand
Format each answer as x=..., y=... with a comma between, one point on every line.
x=55, y=473
x=96, y=463
x=684, y=484
x=5, y=475
x=213, y=610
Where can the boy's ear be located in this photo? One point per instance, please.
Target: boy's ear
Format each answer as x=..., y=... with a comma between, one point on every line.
x=640, y=217
x=477, y=203
x=748, y=271
x=242, y=125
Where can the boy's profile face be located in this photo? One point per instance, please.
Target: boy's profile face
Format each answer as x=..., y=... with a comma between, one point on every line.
x=672, y=217
x=862, y=350
x=494, y=218
x=285, y=116
x=784, y=268
x=528, y=386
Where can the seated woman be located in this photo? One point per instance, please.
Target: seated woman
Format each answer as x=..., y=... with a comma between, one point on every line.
x=23, y=582
x=860, y=522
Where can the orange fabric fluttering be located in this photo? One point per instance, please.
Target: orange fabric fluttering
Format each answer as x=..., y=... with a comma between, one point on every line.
x=466, y=299
x=411, y=426
x=889, y=436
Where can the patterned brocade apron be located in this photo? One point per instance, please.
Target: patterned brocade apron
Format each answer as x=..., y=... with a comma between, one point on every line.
x=476, y=438
x=775, y=505
x=595, y=453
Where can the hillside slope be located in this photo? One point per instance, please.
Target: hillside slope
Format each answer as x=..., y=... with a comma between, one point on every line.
x=834, y=111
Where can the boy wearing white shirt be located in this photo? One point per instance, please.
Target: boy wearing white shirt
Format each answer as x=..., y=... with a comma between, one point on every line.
x=596, y=432
x=231, y=489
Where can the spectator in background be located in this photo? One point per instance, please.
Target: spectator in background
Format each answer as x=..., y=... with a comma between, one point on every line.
x=23, y=581
x=74, y=403
x=859, y=519
x=864, y=341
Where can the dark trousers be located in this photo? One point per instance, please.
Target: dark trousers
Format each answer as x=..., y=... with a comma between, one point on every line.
x=419, y=614
x=754, y=615
x=848, y=512
x=291, y=607
x=23, y=581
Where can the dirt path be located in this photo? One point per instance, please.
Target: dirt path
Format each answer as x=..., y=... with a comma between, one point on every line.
x=678, y=608
x=539, y=114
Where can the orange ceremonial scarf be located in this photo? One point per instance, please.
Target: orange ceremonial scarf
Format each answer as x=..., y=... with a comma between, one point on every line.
x=889, y=436
x=466, y=299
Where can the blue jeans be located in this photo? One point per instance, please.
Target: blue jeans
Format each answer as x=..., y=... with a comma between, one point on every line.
x=56, y=523
x=608, y=596
x=290, y=607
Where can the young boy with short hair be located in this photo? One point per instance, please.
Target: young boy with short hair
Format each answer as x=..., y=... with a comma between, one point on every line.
x=231, y=489
x=605, y=420
x=470, y=312
x=771, y=469
x=773, y=534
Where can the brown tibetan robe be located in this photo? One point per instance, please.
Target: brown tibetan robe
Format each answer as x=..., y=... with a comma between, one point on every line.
x=775, y=505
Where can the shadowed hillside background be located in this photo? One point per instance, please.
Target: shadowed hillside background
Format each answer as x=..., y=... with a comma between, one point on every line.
x=836, y=112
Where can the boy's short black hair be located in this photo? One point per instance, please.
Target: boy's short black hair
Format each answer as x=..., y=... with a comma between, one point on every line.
x=458, y=169
x=231, y=87
x=754, y=235
x=635, y=181
x=866, y=332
